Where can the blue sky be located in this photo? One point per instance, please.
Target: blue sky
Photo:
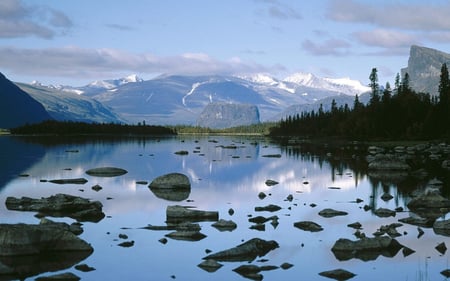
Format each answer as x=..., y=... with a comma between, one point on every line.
x=76, y=42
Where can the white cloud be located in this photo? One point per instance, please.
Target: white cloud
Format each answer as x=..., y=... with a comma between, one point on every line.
x=385, y=38
x=334, y=47
x=86, y=63
x=18, y=20
x=407, y=15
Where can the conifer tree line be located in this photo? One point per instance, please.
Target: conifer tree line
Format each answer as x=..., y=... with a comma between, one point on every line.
x=392, y=113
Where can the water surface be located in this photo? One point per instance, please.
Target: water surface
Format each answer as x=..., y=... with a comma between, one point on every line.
x=225, y=172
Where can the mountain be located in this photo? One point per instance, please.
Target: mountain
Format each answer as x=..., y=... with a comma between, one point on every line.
x=177, y=99
x=224, y=115
x=66, y=105
x=424, y=68
x=18, y=108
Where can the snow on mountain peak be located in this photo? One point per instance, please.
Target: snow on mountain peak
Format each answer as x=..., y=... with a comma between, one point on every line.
x=260, y=78
x=133, y=78
x=357, y=85
x=305, y=79
x=342, y=85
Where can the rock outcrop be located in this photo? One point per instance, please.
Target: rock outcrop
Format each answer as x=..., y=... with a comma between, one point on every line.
x=424, y=68
x=59, y=205
x=226, y=115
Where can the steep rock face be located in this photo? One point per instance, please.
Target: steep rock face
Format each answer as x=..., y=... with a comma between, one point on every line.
x=18, y=108
x=424, y=68
x=226, y=115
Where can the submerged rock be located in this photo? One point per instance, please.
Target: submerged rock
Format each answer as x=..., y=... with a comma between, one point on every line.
x=59, y=205
x=246, y=251
x=365, y=249
x=172, y=187
x=106, y=172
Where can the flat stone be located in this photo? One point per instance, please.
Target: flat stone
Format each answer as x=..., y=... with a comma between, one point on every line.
x=338, y=274
x=106, y=172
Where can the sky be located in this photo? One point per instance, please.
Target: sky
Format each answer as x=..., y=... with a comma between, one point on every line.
x=76, y=42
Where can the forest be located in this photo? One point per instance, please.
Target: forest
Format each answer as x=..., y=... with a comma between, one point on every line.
x=53, y=127
x=391, y=114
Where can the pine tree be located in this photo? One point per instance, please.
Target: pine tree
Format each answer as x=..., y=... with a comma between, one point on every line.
x=373, y=77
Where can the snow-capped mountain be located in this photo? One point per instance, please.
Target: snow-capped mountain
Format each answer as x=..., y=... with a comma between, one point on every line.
x=177, y=99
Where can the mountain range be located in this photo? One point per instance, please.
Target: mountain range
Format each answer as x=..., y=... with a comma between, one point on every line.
x=181, y=100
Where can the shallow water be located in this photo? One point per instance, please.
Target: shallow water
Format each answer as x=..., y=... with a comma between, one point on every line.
x=221, y=178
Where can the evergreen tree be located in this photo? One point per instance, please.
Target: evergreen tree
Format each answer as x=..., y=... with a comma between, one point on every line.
x=444, y=86
x=373, y=77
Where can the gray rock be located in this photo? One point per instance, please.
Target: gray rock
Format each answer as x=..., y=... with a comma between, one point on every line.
x=172, y=187
x=28, y=250
x=442, y=227
x=419, y=221
x=338, y=274
x=106, y=172
x=26, y=239
x=59, y=205
x=186, y=235
x=210, y=265
x=365, y=249
x=308, y=226
x=246, y=251
x=178, y=214
x=388, y=162
x=225, y=225
x=384, y=213
x=329, y=213
x=70, y=181
x=431, y=199
x=271, y=182
x=268, y=208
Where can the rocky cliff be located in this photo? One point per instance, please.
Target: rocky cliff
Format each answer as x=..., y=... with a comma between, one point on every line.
x=424, y=68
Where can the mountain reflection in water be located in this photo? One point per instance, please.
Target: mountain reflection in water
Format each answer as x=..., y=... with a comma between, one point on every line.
x=225, y=173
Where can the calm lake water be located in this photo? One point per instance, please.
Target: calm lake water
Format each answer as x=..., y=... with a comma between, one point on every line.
x=222, y=177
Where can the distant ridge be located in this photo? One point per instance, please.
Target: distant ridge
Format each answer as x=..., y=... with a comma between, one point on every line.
x=18, y=108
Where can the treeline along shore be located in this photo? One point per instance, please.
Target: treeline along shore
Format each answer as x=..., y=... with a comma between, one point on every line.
x=391, y=114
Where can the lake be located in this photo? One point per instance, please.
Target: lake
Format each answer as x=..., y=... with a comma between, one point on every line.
x=225, y=173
